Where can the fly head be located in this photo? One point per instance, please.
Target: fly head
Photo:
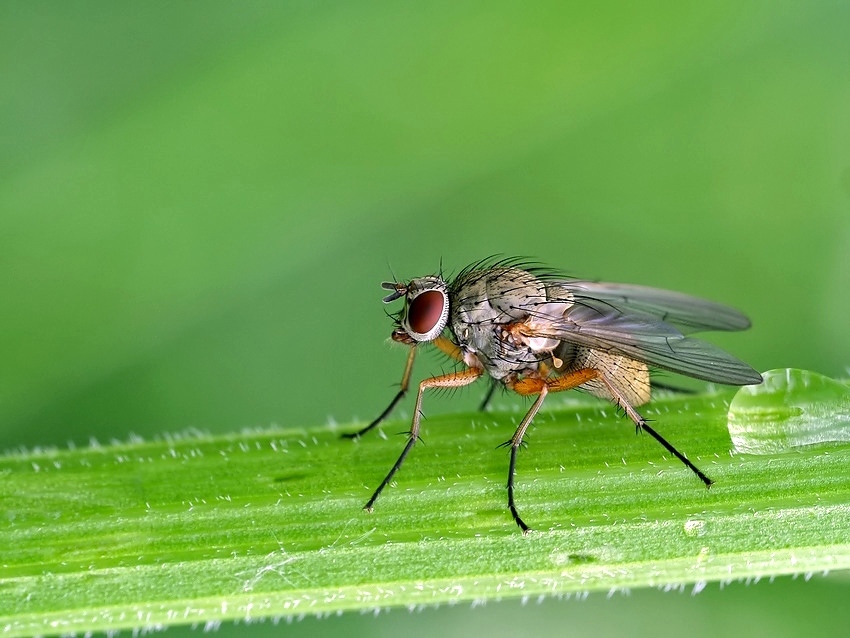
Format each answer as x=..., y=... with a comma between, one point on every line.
x=425, y=312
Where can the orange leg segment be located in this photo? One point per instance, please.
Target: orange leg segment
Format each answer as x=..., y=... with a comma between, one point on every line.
x=568, y=381
x=449, y=347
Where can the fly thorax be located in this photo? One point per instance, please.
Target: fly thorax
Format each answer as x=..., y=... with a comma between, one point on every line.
x=488, y=307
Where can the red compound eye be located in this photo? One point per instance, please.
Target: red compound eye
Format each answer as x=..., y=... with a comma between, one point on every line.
x=425, y=311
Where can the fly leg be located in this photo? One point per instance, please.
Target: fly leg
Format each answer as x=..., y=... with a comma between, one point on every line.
x=452, y=380
x=642, y=425
x=405, y=382
x=489, y=395
x=443, y=344
x=514, y=443
x=541, y=388
x=449, y=347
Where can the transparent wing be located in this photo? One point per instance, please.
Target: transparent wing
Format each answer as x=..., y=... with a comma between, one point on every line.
x=687, y=313
x=648, y=331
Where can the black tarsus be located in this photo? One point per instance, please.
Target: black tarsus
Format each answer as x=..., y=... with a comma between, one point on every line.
x=511, y=504
x=643, y=425
x=383, y=415
x=389, y=477
x=489, y=395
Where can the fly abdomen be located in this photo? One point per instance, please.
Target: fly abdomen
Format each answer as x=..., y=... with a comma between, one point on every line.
x=630, y=377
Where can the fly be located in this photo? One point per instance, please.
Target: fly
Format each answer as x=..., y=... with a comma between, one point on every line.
x=537, y=332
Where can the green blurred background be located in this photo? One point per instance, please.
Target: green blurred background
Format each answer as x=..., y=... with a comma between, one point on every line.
x=198, y=201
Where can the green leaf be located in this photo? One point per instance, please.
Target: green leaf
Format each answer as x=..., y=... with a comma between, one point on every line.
x=200, y=529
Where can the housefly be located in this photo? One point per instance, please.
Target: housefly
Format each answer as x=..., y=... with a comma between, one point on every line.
x=538, y=332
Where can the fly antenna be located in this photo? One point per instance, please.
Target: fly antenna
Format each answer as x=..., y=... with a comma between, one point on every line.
x=398, y=290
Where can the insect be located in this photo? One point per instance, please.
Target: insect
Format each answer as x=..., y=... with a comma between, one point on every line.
x=538, y=332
